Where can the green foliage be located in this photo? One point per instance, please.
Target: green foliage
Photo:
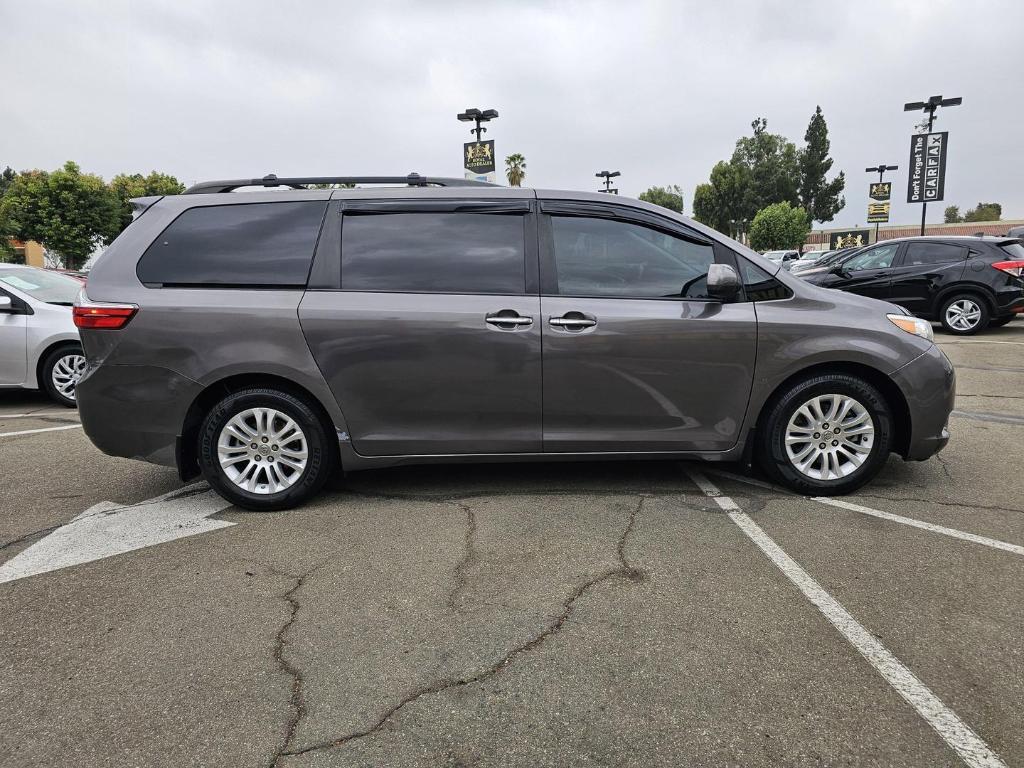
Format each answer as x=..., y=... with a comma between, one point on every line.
x=68, y=211
x=720, y=203
x=6, y=251
x=952, y=215
x=126, y=186
x=984, y=212
x=515, y=169
x=820, y=198
x=779, y=226
x=670, y=197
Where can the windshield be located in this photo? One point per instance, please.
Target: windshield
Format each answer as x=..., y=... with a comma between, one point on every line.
x=41, y=285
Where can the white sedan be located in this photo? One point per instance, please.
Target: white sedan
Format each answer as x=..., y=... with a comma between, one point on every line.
x=39, y=344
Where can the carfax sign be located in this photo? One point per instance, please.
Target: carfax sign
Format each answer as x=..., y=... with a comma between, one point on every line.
x=927, y=178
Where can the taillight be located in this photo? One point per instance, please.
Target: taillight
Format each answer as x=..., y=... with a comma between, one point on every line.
x=1015, y=268
x=100, y=314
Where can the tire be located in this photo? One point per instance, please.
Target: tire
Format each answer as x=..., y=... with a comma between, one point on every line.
x=999, y=322
x=788, y=413
x=964, y=314
x=60, y=373
x=275, y=475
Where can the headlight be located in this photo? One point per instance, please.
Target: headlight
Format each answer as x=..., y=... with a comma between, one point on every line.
x=914, y=325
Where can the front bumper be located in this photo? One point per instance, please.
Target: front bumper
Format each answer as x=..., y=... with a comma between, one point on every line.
x=135, y=411
x=928, y=384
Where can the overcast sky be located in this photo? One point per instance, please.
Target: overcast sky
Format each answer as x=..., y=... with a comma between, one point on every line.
x=657, y=90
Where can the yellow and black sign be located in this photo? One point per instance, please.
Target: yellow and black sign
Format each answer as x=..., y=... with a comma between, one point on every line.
x=880, y=190
x=478, y=157
x=878, y=212
x=853, y=238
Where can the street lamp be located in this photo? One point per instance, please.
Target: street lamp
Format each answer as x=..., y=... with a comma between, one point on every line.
x=881, y=168
x=478, y=116
x=933, y=103
x=608, y=176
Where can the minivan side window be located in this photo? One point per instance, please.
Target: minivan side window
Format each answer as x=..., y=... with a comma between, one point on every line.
x=604, y=258
x=932, y=253
x=758, y=285
x=877, y=258
x=250, y=244
x=434, y=253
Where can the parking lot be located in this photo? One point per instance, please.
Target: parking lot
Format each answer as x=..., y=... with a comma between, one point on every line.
x=660, y=613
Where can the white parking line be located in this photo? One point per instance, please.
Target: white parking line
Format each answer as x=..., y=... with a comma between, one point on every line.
x=67, y=412
x=913, y=523
x=36, y=431
x=970, y=747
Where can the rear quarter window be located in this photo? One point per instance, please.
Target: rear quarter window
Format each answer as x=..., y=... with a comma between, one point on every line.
x=251, y=244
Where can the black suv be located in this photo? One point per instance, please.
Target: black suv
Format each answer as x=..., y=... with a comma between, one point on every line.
x=966, y=283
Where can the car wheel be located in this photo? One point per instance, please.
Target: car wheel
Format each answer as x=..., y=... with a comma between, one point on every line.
x=263, y=450
x=827, y=435
x=964, y=314
x=61, y=371
x=999, y=322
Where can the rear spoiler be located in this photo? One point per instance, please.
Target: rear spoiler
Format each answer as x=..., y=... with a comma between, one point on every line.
x=142, y=204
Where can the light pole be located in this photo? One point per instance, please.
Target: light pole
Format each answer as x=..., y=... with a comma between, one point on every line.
x=608, y=176
x=933, y=103
x=478, y=116
x=881, y=168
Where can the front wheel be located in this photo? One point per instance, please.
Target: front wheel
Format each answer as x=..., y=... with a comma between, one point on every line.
x=60, y=373
x=263, y=450
x=827, y=435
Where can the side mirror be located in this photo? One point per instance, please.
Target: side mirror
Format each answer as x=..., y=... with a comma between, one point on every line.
x=5, y=304
x=723, y=282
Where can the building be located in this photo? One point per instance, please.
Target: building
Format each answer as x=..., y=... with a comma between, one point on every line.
x=822, y=238
x=30, y=253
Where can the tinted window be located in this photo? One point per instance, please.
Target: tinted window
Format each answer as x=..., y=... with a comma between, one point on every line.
x=250, y=244
x=876, y=258
x=433, y=253
x=1016, y=250
x=932, y=253
x=601, y=257
x=759, y=285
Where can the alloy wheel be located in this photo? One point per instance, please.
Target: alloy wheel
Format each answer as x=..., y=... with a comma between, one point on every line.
x=262, y=451
x=963, y=314
x=829, y=437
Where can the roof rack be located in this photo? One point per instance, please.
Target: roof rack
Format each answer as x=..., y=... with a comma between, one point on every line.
x=271, y=180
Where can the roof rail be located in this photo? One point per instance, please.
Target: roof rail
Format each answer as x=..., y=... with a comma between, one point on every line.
x=271, y=180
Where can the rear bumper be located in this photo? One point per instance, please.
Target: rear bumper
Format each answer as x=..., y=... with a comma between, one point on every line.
x=929, y=386
x=135, y=411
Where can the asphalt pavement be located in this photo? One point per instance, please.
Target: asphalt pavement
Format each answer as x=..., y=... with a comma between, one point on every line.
x=612, y=614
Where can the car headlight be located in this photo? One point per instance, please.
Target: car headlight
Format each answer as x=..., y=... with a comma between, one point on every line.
x=914, y=325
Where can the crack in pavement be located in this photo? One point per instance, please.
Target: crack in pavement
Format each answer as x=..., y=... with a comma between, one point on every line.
x=27, y=536
x=622, y=571
x=945, y=466
x=468, y=558
x=998, y=397
x=922, y=500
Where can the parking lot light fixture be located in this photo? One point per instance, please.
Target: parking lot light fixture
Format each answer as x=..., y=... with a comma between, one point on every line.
x=478, y=116
x=608, y=176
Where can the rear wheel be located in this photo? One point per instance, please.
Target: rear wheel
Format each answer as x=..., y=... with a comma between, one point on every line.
x=964, y=314
x=827, y=435
x=263, y=449
x=61, y=371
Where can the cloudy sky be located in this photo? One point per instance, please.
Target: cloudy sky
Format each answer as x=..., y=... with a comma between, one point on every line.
x=658, y=90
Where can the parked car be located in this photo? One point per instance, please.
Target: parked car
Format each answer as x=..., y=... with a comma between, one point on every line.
x=1017, y=232
x=829, y=258
x=807, y=258
x=267, y=339
x=784, y=258
x=966, y=283
x=39, y=346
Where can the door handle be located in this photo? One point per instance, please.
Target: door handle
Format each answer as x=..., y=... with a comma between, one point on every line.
x=572, y=322
x=508, y=320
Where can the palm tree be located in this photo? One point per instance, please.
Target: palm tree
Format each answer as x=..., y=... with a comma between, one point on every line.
x=515, y=169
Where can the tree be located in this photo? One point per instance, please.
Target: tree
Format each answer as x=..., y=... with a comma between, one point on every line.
x=515, y=169
x=127, y=186
x=771, y=167
x=670, y=197
x=820, y=198
x=68, y=211
x=720, y=202
x=779, y=226
x=984, y=212
x=6, y=251
x=952, y=215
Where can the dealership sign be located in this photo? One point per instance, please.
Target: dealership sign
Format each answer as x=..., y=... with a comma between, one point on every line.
x=478, y=160
x=853, y=238
x=927, y=180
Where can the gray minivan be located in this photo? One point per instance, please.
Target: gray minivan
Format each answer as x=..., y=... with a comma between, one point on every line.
x=270, y=338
